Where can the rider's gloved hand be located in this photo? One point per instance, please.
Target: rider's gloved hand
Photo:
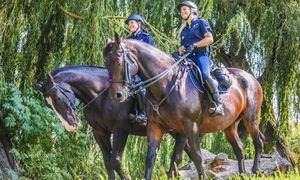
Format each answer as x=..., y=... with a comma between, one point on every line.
x=190, y=48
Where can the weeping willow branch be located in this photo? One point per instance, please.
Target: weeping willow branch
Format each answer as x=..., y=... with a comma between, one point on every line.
x=161, y=36
x=72, y=15
x=114, y=17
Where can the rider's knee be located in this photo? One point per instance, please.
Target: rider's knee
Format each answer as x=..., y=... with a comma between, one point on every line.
x=205, y=76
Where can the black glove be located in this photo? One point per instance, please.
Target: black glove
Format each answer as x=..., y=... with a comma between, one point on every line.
x=190, y=48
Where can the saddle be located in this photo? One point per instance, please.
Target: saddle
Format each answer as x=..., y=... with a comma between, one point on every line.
x=221, y=76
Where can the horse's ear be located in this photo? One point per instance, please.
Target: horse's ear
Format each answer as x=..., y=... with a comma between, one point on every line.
x=108, y=40
x=117, y=38
x=50, y=79
x=38, y=87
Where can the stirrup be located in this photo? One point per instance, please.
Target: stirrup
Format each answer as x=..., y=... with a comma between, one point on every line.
x=141, y=119
x=216, y=111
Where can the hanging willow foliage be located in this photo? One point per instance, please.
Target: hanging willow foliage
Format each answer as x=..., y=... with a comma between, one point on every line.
x=261, y=37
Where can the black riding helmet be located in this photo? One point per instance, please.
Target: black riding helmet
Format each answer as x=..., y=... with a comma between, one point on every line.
x=188, y=4
x=135, y=17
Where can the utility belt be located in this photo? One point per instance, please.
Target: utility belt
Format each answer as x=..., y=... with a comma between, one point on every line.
x=206, y=50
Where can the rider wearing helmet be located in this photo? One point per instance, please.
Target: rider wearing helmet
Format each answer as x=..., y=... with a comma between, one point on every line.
x=136, y=25
x=195, y=38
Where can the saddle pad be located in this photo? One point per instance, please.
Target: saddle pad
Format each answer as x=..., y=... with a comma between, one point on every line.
x=199, y=86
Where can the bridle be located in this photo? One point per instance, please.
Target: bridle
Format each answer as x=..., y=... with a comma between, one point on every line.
x=65, y=92
x=71, y=100
x=135, y=88
x=127, y=62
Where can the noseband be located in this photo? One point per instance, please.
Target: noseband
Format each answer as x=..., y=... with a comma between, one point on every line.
x=127, y=62
x=64, y=91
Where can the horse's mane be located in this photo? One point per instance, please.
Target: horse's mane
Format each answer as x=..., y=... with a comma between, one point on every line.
x=137, y=44
x=83, y=68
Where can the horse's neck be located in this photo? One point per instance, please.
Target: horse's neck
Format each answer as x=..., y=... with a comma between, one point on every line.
x=84, y=87
x=150, y=66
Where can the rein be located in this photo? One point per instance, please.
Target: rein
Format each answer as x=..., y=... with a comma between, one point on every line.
x=93, y=99
x=136, y=88
x=155, y=107
x=144, y=84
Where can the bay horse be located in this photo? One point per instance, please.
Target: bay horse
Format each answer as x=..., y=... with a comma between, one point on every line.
x=106, y=116
x=174, y=103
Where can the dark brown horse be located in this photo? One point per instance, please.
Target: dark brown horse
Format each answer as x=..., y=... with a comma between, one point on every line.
x=106, y=116
x=174, y=103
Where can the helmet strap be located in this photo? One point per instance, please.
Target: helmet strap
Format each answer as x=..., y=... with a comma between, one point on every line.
x=189, y=15
x=137, y=29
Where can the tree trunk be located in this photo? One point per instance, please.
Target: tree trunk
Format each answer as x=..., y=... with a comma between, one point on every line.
x=7, y=160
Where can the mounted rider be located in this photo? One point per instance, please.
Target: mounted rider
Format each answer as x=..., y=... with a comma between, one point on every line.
x=136, y=25
x=195, y=38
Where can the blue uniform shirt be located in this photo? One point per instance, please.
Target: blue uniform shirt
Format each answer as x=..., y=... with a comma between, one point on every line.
x=143, y=36
x=195, y=34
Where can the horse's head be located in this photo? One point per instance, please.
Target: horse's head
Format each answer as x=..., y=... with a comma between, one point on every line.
x=61, y=99
x=122, y=67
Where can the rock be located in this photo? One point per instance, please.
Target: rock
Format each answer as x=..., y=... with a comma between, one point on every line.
x=220, y=167
x=220, y=159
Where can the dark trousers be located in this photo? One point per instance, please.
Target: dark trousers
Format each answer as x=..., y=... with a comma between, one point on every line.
x=204, y=63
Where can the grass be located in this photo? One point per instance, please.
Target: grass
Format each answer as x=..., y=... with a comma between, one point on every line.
x=277, y=175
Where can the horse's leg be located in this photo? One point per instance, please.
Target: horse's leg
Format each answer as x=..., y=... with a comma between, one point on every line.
x=237, y=145
x=154, y=135
x=177, y=153
x=192, y=135
x=251, y=124
x=119, y=142
x=103, y=140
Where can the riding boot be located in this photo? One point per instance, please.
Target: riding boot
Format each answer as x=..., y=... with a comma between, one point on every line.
x=218, y=108
x=140, y=117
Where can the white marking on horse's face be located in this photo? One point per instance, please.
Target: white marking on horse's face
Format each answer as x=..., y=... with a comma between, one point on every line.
x=67, y=126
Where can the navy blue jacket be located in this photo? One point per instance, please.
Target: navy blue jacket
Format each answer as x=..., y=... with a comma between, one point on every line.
x=143, y=36
x=195, y=34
